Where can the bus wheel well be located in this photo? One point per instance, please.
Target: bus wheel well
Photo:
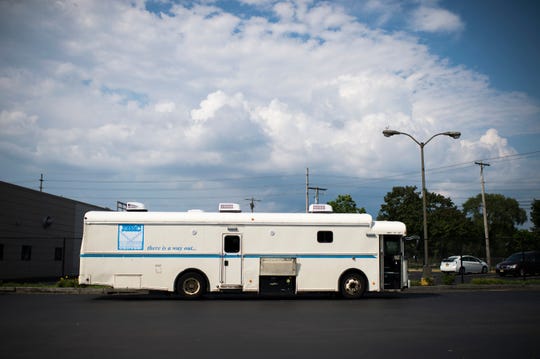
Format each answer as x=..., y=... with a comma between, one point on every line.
x=195, y=275
x=352, y=283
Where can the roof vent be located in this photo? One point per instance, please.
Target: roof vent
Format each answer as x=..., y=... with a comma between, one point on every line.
x=135, y=207
x=320, y=208
x=229, y=207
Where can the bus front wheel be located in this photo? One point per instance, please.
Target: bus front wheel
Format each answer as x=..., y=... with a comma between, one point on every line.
x=352, y=285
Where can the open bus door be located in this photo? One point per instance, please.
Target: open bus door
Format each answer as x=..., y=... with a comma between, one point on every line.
x=394, y=266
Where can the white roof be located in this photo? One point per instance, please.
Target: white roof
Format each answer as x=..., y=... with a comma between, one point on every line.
x=389, y=227
x=229, y=218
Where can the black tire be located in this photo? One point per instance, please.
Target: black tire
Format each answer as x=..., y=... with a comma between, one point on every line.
x=352, y=286
x=462, y=270
x=484, y=270
x=191, y=285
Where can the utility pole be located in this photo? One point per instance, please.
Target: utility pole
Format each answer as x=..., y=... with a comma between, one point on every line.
x=41, y=183
x=252, y=202
x=317, y=189
x=307, y=189
x=484, y=210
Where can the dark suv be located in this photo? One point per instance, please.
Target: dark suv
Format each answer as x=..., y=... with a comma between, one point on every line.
x=520, y=263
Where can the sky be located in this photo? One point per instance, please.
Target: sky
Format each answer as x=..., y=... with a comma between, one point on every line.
x=185, y=104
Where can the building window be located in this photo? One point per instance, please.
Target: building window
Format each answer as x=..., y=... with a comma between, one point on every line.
x=325, y=236
x=58, y=253
x=26, y=253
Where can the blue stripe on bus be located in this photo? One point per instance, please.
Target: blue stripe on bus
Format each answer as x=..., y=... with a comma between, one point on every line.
x=310, y=256
x=194, y=255
x=148, y=255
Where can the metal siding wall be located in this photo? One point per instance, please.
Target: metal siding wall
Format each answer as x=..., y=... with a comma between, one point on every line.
x=22, y=215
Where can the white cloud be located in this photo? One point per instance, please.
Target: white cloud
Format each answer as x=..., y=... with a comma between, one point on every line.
x=16, y=123
x=213, y=103
x=165, y=107
x=490, y=144
x=434, y=19
x=116, y=88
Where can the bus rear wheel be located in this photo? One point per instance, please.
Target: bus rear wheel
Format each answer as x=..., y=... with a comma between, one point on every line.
x=352, y=286
x=191, y=285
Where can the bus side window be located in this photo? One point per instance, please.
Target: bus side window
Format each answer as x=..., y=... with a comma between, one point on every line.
x=325, y=236
x=232, y=244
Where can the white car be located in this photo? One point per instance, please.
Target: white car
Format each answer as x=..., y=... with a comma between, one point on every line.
x=469, y=264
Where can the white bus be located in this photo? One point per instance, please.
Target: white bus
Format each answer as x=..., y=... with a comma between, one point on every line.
x=195, y=252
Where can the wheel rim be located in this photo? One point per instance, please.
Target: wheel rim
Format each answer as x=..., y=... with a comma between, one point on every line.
x=191, y=286
x=352, y=286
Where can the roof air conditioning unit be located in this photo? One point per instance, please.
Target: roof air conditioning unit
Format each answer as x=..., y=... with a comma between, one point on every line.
x=320, y=208
x=229, y=207
x=135, y=207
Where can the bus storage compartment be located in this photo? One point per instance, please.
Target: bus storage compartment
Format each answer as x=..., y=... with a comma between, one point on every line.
x=275, y=284
x=280, y=266
x=277, y=276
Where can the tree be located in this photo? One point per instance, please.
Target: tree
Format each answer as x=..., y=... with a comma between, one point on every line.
x=448, y=228
x=447, y=225
x=345, y=204
x=503, y=215
x=403, y=204
x=523, y=240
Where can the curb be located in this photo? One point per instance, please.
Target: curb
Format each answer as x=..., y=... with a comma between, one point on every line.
x=57, y=290
x=415, y=289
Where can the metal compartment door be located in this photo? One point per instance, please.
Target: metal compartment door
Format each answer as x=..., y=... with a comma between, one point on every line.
x=231, y=261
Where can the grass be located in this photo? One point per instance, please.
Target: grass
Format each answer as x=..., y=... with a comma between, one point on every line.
x=63, y=282
x=481, y=281
x=25, y=284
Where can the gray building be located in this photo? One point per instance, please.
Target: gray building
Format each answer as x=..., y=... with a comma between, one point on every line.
x=40, y=233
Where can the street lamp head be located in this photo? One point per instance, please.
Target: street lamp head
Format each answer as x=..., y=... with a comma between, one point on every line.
x=455, y=135
x=389, y=133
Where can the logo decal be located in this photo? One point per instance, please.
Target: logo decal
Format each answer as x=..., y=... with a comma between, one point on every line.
x=130, y=236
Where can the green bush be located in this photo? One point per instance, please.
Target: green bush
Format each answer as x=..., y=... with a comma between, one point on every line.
x=448, y=278
x=66, y=282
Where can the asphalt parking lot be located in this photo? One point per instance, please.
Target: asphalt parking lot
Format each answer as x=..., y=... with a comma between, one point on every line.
x=447, y=324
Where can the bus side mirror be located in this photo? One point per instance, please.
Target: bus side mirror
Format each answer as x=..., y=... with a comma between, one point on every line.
x=414, y=237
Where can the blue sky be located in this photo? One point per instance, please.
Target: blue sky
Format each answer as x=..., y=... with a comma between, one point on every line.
x=502, y=40
x=187, y=104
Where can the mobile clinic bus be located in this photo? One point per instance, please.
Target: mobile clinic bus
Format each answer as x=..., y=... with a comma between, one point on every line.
x=195, y=252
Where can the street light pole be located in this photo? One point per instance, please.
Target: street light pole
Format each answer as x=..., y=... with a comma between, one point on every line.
x=426, y=270
x=426, y=273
